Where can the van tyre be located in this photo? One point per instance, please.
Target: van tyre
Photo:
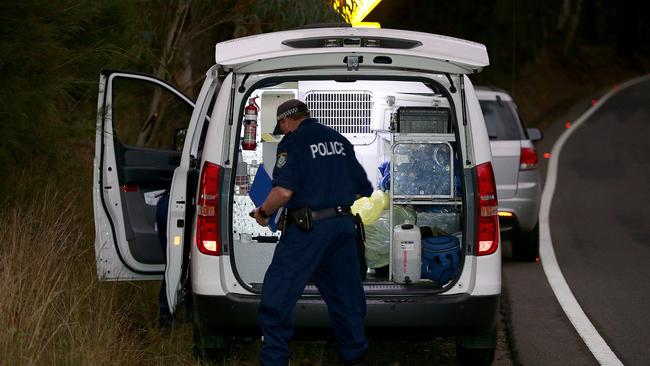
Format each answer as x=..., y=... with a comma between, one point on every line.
x=207, y=346
x=216, y=355
x=476, y=350
x=525, y=247
x=474, y=356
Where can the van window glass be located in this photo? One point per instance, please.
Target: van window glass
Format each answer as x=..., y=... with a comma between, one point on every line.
x=501, y=121
x=146, y=114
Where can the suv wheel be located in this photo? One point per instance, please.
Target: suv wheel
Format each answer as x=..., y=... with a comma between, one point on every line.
x=525, y=246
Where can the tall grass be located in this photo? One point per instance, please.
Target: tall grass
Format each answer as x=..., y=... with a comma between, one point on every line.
x=54, y=311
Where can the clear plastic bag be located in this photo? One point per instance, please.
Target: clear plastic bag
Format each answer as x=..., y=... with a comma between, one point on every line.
x=378, y=235
x=446, y=219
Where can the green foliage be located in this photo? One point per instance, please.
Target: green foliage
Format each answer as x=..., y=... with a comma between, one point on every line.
x=48, y=62
x=51, y=54
x=273, y=15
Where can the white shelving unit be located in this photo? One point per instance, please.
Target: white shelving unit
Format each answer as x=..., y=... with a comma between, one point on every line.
x=398, y=199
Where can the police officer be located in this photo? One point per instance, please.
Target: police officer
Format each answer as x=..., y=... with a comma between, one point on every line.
x=317, y=178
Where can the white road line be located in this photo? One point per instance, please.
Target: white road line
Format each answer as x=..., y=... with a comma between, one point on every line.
x=574, y=312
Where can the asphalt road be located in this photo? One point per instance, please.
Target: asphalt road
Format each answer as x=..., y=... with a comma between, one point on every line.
x=600, y=228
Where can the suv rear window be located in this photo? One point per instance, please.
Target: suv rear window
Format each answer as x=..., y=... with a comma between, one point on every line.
x=501, y=120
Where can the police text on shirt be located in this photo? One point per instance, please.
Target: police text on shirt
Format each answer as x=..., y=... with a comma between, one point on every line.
x=327, y=148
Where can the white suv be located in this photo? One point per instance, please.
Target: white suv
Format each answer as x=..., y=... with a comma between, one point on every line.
x=400, y=97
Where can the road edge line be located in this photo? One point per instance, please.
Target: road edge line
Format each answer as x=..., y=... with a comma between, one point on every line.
x=563, y=293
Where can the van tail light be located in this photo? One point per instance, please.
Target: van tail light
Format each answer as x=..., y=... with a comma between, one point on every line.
x=488, y=219
x=207, y=223
x=527, y=158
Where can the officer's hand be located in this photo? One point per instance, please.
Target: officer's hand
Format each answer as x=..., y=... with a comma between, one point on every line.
x=261, y=221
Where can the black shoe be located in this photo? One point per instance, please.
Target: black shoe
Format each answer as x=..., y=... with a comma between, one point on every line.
x=165, y=322
x=354, y=362
x=359, y=361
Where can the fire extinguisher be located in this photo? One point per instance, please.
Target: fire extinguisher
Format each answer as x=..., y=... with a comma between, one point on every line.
x=250, y=125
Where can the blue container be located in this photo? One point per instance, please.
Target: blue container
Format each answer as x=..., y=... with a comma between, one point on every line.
x=440, y=258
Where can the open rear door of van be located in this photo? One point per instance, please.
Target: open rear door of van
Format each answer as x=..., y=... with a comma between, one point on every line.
x=137, y=118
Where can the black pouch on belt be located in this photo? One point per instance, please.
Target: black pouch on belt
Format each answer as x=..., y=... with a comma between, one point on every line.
x=282, y=219
x=358, y=226
x=361, y=244
x=302, y=217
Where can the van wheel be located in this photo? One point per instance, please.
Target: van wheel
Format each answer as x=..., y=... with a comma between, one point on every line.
x=474, y=356
x=216, y=355
x=208, y=347
x=525, y=247
x=476, y=350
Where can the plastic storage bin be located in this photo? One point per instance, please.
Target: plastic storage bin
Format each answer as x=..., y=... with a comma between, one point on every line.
x=423, y=169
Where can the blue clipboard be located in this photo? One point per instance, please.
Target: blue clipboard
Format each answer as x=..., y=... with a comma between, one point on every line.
x=259, y=190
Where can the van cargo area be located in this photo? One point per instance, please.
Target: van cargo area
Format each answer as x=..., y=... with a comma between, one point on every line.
x=405, y=135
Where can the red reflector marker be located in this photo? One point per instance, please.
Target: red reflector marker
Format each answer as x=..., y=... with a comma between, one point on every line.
x=129, y=188
x=547, y=155
x=594, y=102
x=567, y=125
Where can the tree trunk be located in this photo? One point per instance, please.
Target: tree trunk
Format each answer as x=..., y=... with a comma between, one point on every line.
x=574, y=21
x=563, y=18
x=166, y=58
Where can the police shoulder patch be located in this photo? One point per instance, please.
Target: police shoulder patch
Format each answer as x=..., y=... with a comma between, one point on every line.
x=281, y=159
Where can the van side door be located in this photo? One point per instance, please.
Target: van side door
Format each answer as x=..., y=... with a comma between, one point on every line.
x=137, y=119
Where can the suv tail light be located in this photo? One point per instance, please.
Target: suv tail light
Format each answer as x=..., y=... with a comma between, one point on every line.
x=488, y=221
x=527, y=158
x=207, y=223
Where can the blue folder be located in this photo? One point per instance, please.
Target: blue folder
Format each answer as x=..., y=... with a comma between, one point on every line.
x=259, y=190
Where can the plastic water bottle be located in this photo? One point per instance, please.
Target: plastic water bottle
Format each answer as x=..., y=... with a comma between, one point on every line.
x=252, y=170
x=241, y=176
x=407, y=253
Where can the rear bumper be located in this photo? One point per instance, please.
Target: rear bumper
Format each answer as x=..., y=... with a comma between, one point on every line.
x=424, y=316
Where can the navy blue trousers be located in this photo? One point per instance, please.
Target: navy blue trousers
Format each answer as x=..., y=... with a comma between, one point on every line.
x=327, y=256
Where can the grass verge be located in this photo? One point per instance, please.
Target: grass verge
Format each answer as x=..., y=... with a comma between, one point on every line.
x=52, y=308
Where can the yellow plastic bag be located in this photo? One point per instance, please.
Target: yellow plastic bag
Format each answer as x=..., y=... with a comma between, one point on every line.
x=368, y=209
x=381, y=198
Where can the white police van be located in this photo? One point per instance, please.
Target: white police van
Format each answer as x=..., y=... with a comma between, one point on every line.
x=402, y=98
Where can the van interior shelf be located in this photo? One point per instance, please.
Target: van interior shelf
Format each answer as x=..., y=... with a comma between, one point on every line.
x=420, y=200
x=391, y=137
x=424, y=137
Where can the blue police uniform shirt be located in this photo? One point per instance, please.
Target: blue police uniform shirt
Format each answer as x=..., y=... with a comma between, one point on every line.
x=319, y=165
